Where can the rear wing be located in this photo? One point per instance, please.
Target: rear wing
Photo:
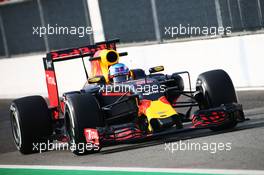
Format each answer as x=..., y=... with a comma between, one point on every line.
x=68, y=54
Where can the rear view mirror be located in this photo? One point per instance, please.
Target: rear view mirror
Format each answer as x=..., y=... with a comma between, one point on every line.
x=96, y=79
x=156, y=69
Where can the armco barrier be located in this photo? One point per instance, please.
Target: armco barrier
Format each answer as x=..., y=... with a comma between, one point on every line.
x=242, y=57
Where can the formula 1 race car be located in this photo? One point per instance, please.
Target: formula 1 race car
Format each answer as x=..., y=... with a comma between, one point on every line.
x=102, y=112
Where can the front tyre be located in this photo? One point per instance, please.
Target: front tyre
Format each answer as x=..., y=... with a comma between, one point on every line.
x=216, y=88
x=31, y=123
x=82, y=111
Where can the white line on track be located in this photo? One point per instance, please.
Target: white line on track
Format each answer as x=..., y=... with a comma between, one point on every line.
x=137, y=169
x=257, y=88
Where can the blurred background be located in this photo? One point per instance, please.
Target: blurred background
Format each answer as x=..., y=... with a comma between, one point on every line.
x=131, y=21
x=140, y=24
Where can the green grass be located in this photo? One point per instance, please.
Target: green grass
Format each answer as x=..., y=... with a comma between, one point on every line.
x=13, y=171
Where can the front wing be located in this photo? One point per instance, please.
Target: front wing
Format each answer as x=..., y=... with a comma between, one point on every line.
x=128, y=133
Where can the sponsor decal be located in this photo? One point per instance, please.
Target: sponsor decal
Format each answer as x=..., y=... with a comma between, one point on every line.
x=76, y=52
x=91, y=136
x=50, y=80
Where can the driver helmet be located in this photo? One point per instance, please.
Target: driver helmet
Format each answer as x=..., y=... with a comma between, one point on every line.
x=118, y=73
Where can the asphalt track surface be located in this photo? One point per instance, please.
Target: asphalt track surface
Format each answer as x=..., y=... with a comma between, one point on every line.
x=246, y=142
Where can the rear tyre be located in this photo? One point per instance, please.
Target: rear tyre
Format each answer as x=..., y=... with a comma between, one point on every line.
x=31, y=124
x=216, y=88
x=82, y=111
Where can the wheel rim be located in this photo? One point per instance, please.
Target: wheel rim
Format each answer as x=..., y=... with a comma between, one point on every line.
x=16, y=130
x=69, y=127
x=70, y=133
x=206, y=101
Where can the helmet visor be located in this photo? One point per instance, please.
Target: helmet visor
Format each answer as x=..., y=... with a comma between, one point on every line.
x=120, y=78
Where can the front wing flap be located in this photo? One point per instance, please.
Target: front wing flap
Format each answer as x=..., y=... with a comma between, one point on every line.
x=218, y=116
x=129, y=133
